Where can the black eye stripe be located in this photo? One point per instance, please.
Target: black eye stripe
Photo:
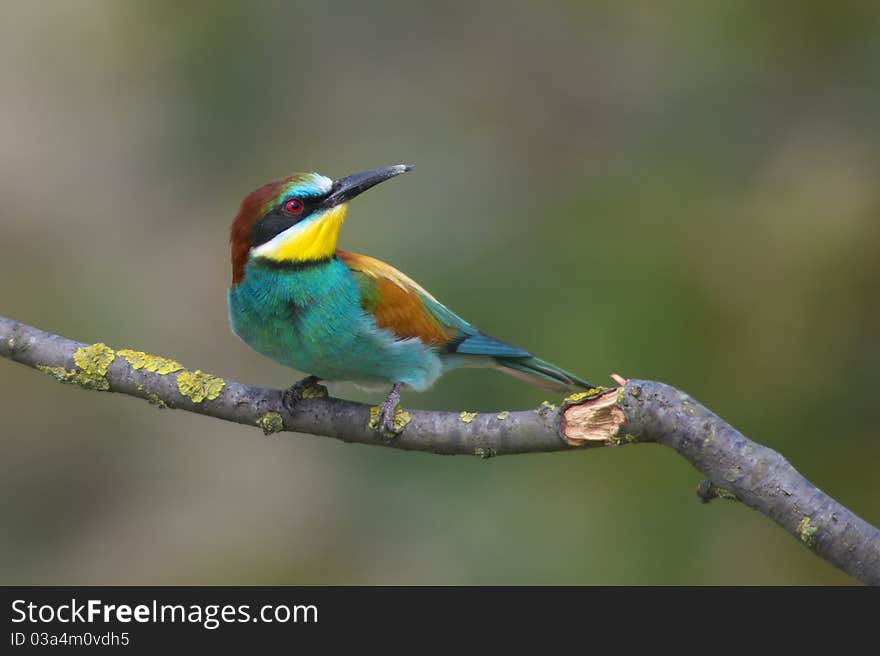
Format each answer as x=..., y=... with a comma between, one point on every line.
x=276, y=222
x=278, y=219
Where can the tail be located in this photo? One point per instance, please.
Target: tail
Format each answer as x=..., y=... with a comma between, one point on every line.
x=540, y=373
x=516, y=362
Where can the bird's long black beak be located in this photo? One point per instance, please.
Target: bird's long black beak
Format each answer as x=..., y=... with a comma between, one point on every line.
x=344, y=189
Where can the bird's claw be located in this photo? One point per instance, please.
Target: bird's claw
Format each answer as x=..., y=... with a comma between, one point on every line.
x=387, y=421
x=307, y=388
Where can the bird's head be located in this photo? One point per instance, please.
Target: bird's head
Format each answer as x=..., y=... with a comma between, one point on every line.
x=297, y=219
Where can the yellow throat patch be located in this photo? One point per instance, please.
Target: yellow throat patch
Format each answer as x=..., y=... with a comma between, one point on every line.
x=313, y=239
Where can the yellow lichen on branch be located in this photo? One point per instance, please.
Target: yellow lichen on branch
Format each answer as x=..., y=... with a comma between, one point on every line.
x=401, y=420
x=152, y=363
x=315, y=391
x=271, y=422
x=806, y=530
x=198, y=386
x=91, y=367
x=94, y=360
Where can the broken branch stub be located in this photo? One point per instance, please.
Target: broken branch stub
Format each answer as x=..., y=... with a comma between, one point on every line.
x=594, y=421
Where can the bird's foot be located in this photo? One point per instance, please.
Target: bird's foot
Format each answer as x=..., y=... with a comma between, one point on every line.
x=307, y=388
x=388, y=419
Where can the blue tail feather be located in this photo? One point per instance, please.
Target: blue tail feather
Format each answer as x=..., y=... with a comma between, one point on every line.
x=481, y=344
x=541, y=373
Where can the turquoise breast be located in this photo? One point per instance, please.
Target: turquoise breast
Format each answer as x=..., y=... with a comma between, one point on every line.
x=310, y=318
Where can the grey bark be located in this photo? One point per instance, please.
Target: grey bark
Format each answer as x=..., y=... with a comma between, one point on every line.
x=757, y=475
x=638, y=411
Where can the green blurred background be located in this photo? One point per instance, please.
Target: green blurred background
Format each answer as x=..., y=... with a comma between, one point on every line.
x=683, y=191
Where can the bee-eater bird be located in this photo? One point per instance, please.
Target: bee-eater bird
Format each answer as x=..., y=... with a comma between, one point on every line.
x=341, y=316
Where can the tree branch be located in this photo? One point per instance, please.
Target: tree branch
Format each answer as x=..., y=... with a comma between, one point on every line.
x=637, y=411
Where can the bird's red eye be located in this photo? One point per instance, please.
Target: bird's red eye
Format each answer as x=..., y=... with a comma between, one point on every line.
x=293, y=206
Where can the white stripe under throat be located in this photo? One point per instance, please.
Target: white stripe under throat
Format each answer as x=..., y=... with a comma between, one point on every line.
x=314, y=238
